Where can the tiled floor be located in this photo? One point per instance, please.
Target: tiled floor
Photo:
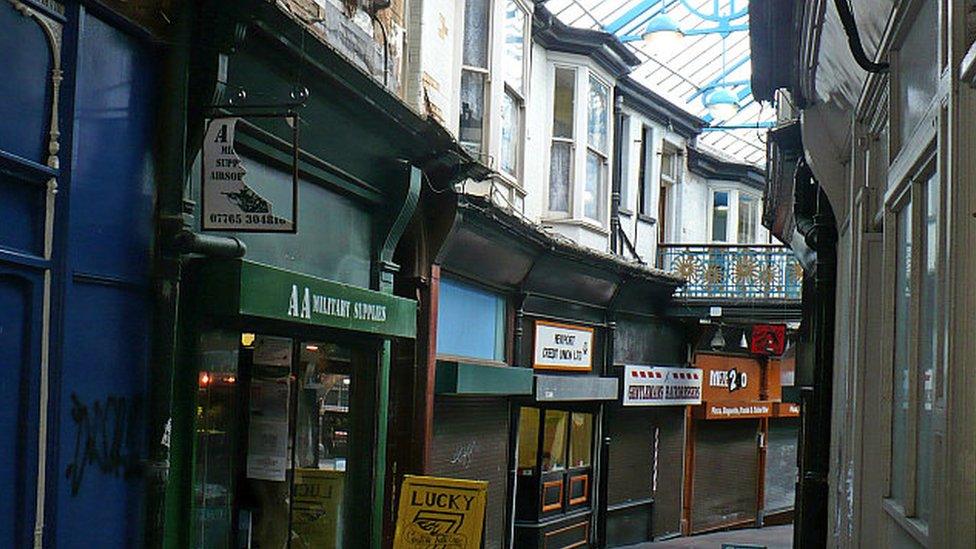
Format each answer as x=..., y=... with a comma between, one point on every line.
x=773, y=537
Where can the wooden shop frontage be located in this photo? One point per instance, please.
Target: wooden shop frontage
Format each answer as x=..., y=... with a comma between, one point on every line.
x=741, y=445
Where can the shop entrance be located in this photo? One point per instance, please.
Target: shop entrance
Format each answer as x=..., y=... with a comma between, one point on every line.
x=282, y=449
x=555, y=476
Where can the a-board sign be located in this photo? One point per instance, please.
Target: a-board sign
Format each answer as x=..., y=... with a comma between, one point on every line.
x=317, y=508
x=234, y=200
x=440, y=512
x=563, y=346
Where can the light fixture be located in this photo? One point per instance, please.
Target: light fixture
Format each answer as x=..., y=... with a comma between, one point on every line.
x=247, y=339
x=312, y=348
x=718, y=340
x=662, y=33
x=721, y=103
x=742, y=342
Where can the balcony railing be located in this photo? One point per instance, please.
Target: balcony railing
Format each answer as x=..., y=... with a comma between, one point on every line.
x=733, y=272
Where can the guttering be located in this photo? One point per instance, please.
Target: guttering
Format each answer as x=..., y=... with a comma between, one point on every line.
x=655, y=107
x=604, y=48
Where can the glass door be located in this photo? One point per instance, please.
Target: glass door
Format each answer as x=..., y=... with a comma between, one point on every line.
x=555, y=462
x=274, y=449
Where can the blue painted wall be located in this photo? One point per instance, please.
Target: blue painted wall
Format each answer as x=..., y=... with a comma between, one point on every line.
x=470, y=321
x=106, y=313
x=25, y=65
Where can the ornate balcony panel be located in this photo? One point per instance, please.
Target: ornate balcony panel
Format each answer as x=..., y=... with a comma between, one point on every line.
x=733, y=272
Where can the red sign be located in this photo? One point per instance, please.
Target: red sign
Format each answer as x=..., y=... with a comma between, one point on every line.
x=768, y=339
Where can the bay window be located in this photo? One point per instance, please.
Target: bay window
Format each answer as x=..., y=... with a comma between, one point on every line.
x=598, y=122
x=561, y=154
x=579, y=160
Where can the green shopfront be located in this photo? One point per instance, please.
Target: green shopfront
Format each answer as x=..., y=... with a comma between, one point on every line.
x=281, y=400
x=288, y=445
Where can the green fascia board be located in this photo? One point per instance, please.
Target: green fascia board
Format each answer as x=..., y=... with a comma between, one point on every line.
x=247, y=288
x=466, y=378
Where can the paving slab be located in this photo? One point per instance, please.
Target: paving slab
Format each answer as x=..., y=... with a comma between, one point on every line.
x=772, y=537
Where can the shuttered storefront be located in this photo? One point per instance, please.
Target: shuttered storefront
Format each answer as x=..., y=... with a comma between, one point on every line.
x=781, y=468
x=630, y=473
x=471, y=442
x=635, y=475
x=669, y=477
x=726, y=473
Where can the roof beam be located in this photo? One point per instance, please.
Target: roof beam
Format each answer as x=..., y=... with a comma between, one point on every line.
x=632, y=13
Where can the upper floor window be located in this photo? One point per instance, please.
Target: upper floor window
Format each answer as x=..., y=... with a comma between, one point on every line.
x=598, y=124
x=474, y=73
x=580, y=149
x=513, y=66
x=748, y=218
x=561, y=154
x=645, y=183
x=720, y=216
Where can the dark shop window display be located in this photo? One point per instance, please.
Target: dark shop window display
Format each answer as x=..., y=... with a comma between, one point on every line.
x=273, y=445
x=555, y=462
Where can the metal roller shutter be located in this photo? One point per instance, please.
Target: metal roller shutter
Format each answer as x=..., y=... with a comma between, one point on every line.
x=726, y=473
x=781, y=468
x=630, y=469
x=471, y=442
x=670, y=471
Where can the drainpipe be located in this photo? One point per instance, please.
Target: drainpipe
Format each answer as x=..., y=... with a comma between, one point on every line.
x=815, y=221
x=618, y=142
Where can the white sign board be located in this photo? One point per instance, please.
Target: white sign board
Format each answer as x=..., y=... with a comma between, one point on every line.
x=662, y=386
x=563, y=346
x=267, y=448
x=229, y=202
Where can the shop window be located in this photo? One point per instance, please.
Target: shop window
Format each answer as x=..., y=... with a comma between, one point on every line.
x=748, y=218
x=528, y=438
x=915, y=386
x=900, y=391
x=561, y=155
x=720, y=216
x=928, y=349
x=580, y=440
x=474, y=74
x=470, y=321
x=554, y=441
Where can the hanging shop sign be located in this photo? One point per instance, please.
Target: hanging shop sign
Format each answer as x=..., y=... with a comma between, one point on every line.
x=563, y=347
x=661, y=386
x=241, y=287
x=317, y=508
x=233, y=200
x=440, y=512
x=768, y=339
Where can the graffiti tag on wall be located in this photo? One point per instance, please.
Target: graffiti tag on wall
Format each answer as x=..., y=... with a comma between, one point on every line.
x=107, y=438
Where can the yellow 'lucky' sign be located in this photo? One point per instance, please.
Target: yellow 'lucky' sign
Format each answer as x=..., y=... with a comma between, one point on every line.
x=440, y=512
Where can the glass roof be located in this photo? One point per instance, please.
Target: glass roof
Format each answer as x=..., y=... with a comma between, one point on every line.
x=714, y=52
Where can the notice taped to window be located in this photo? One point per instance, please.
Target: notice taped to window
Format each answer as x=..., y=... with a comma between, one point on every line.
x=440, y=512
